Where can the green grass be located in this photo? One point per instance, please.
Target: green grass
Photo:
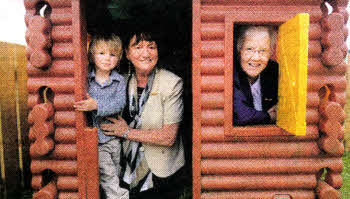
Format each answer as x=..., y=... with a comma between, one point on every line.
x=346, y=176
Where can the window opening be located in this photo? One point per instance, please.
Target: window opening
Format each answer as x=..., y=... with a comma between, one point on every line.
x=255, y=74
x=292, y=76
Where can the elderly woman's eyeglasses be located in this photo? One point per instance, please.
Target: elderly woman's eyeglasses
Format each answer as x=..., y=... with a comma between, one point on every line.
x=261, y=52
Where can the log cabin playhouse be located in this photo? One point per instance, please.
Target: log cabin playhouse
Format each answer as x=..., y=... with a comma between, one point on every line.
x=299, y=159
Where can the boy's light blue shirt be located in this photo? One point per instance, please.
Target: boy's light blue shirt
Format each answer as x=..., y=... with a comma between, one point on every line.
x=110, y=97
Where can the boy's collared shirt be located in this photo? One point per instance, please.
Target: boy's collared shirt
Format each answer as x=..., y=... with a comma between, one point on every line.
x=110, y=98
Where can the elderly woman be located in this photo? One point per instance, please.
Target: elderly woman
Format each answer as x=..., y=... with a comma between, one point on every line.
x=154, y=149
x=255, y=81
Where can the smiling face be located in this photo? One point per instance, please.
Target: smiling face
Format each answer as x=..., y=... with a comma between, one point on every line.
x=255, y=53
x=143, y=55
x=105, y=59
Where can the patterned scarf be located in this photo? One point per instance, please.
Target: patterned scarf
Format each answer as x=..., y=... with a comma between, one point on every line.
x=137, y=173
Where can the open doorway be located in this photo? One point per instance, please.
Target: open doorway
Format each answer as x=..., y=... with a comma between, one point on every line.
x=172, y=22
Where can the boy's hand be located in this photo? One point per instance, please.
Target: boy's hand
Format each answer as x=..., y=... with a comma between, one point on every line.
x=86, y=105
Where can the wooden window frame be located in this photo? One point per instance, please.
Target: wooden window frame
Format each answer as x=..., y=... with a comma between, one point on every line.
x=270, y=17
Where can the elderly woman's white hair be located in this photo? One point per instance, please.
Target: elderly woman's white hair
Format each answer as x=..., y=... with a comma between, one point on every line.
x=251, y=30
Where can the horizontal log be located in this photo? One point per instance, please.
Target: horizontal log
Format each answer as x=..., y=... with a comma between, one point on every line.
x=333, y=55
x=316, y=67
x=60, y=167
x=212, y=100
x=212, y=117
x=67, y=183
x=325, y=191
x=343, y=10
x=65, y=118
x=31, y=4
x=64, y=151
x=334, y=21
x=257, y=130
x=62, y=33
x=259, y=150
x=315, y=31
x=49, y=191
x=336, y=97
x=300, y=194
x=268, y=165
x=212, y=134
x=28, y=15
x=38, y=131
x=254, y=182
x=332, y=38
x=345, y=32
x=312, y=116
x=212, y=31
x=332, y=128
x=212, y=66
x=339, y=97
x=56, y=84
x=314, y=48
x=41, y=113
x=62, y=50
x=39, y=58
x=344, y=49
x=58, y=68
x=58, y=16
x=313, y=100
x=65, y=135
x=332, y=111
x=216, y=134
x=334, y=179
x=37, y=181
x=63, y=102
x=68, y=195
x=64, y=183
x=212, y=49
x=61, y=16
x=38, y=34
x=212, y=83
x=275, y=14
x=41, y=147
x=316, y=82
x=33, y=99
x=332, y=146
x=261, y=2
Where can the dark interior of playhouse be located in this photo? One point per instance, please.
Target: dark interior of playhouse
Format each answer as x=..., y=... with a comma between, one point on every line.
x=171, y=22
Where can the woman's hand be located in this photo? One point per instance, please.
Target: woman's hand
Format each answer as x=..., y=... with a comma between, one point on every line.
x=117, y=128
x=86, y=105
x=272, y=112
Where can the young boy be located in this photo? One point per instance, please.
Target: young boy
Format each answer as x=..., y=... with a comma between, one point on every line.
x=106, y=97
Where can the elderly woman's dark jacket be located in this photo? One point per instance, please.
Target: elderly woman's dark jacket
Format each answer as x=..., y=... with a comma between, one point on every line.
x=243, y=106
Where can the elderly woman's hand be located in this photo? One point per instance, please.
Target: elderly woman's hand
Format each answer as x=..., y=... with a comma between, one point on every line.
x=273, y=112
x=117, y=128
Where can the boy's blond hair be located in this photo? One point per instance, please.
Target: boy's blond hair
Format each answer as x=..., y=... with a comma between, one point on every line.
x=113, y=42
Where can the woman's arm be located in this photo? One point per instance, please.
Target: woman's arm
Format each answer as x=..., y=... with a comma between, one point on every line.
x=243, y=114
x=165, y=136
x=173, y=110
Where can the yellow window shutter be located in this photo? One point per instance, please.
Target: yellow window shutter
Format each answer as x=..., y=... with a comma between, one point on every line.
x=292, y=54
